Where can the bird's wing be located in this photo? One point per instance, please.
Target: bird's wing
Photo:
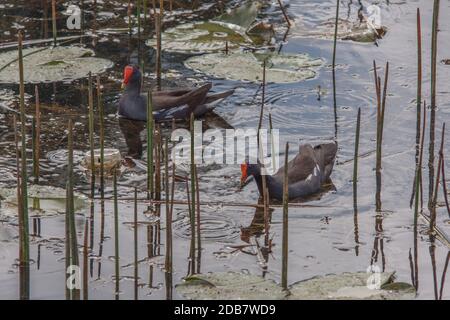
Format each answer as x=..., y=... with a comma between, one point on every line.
x=302, y=166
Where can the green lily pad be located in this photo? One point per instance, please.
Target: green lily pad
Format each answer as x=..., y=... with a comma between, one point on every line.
x=235, y=27
x=352, y=286
x=42, y=200
x=347, y=30
x=241, y=66
x=51, y=64
x=229, y=285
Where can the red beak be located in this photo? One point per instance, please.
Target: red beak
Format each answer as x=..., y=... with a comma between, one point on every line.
x=128, y=72
x=244, y=174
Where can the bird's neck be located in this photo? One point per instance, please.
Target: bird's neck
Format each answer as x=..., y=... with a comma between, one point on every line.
x=133, y=89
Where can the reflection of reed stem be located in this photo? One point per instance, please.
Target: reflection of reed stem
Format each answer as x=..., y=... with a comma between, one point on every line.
x=355, y=163
x=116, y=236
x=284, y=268
x=85, y=261
x=136, y=265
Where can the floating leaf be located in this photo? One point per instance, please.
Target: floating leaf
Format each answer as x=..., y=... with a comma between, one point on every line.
x=347, y=30
x=212, y=36
x=46, y=200
x=351, y=286
x=229, y=285
x=51, y=64
x=280, y=68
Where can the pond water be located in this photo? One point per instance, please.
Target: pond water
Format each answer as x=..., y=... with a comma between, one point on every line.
x=326, y=237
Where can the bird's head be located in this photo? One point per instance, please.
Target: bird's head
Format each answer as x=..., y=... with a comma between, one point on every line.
x=131, y=76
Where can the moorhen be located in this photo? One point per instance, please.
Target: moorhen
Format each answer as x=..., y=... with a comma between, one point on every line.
x=167, y=105
x=306, y=172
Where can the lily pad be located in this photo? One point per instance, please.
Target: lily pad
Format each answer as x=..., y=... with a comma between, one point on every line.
x=236, y=28
x=241, y=66
x=51, y=64
x=352, y=286
x=229, y=285
x=347, y=30
x=43, y=200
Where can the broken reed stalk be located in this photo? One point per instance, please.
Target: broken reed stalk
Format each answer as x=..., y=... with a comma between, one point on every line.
x=85, y=260
x=158, y=18
x=334, y=56
x=284, y=13
x=284, y=268
x=91, y=134
x=433, y=100
x=192, y=198
x=116, y=237
x=355, y=162
x=418, y=98
x=70, y=215
x=24, y=236
x=438, y=175
x=149, y=145
x=136, y=264
x=199, y=240
x=263, y=98
x=102, y=137
x=54, y=22
x=37, y=137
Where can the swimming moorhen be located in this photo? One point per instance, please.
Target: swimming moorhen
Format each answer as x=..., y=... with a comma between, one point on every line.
x=307, y=172
x=167, y=105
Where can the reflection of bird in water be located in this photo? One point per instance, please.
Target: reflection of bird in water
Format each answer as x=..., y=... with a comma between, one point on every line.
x=256, y=227
x=131, y=131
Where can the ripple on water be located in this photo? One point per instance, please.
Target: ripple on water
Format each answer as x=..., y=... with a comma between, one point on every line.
x=214, y=227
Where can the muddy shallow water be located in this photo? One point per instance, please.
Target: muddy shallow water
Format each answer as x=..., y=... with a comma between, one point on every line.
x=328, y=237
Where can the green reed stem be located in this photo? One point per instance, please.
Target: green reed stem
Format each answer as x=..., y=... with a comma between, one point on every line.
x=116, y=237
x=91, y=134
x=199, y=239
x=418, y=99
x=192, y=217
x=55, y=36
x=150, y=185
x=101, y=110
x=334, y=55
x=263, y=99
x=130, y=31
x=436, y=188
x=37, y=138
x=85, y=260
x=139, y=18
x=74, y=260
x=433, y=99
x=24, y=236
x=284, y=268
x=169, y=208
x=158, y=27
